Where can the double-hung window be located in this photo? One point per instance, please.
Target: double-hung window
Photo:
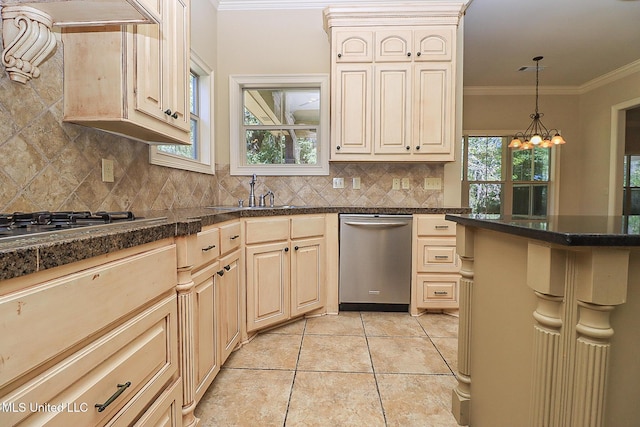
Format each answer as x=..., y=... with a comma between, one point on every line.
x=199, y=156
x=279, y=125
x=499, y=180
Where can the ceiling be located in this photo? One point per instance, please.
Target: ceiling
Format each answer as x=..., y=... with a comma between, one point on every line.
x=580, y=40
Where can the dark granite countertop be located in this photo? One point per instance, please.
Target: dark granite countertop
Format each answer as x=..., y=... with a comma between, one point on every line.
x=29, y=254
x=567, y=230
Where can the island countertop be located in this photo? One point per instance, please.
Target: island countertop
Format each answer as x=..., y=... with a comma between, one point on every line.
x=567, y=230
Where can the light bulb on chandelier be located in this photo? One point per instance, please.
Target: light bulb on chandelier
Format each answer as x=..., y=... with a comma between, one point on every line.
x=536, y=135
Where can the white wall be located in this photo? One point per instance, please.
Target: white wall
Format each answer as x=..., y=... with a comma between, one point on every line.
x=596, y=137
x=204, y=36
x=265, y=42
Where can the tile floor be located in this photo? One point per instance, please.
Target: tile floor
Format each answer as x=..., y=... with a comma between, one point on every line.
x=352, y=369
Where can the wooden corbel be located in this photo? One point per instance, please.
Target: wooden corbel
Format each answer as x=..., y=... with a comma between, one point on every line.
x=27, y=41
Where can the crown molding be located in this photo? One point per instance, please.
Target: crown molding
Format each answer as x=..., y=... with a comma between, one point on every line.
x=617, y=74
x=521, y=90
x=605, y=79
x=315, y=4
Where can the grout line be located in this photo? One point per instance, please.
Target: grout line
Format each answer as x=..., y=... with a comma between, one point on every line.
x=295, y=373
x=375, y=375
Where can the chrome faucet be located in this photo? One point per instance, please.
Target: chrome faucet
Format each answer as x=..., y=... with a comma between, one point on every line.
x=271, y=199
x=252, y=194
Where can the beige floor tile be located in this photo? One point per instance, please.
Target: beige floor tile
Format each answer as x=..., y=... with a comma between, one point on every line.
x=334, y=399
x=439, y=325
x=345, y=323
x=334, y=353
x=391, y=324
x=448, y=347
x=267, y=351
x=294, y=328
x=417, y=400
x=246, y=397
x=406, y=355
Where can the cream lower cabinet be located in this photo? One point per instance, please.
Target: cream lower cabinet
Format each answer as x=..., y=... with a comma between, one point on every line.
x=436, y=266
x=229, y=303
x=93, y=343
x=132, y=80
x=210, y=307
x=285, y=268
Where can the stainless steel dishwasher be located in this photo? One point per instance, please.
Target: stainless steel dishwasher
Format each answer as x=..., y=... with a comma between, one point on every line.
x=375, y=262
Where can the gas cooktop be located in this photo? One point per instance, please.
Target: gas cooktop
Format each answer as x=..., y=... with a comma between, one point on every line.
x=25, y=224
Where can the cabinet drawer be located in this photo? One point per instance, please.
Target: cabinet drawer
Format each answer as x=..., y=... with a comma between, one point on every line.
x=437, y=255
x=166, y=411
x=207, y=246
x=229, y=237
x=59, y=313
x=441, y=291
x=437, y=290
x=307, y=226
x=266, y=230
x=142, y=353
x=435, y=226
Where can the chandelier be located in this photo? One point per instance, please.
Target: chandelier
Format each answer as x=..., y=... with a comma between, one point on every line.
x=536, y=135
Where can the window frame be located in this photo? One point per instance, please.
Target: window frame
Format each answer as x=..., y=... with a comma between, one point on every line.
x=237, y=83
x=205, y=157
x=506, y=179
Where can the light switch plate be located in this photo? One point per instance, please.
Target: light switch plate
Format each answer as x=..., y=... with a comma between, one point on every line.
x=396, y=184
x=107, y=171
x=356, y=183
x=338, y=182
x=406, y=184
x=433, y=184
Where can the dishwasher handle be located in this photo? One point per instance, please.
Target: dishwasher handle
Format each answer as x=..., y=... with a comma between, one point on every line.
x=376, y=224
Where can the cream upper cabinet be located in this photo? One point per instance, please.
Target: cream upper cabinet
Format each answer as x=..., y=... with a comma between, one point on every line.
x=132, y=80
x=393, y=82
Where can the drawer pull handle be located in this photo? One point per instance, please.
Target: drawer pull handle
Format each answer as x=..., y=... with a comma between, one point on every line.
x=296, y=247
x=442, y=227
x=441, y=293
x=221, y=273
x=442, y=256
x=227, y=267
x=234, y=237
x=208, y=248
x=114, y=396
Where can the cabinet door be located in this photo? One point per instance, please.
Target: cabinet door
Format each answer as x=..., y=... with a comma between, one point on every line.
x=308, y=268
x=352, y=109
x=433, y=110
x=393, y=46
x=229, y=299
x=353, y=46
x=267, y=284
x=205, y=327
x=434, y=44
x=161, y=66
x=392, y=109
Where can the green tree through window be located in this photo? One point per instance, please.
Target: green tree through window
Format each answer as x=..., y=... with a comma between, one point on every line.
x=489, y=189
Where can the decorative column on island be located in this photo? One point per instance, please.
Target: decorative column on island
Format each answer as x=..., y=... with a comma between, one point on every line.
x=549, y=366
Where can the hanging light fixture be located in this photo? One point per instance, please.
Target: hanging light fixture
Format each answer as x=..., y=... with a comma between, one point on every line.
x=536, y=135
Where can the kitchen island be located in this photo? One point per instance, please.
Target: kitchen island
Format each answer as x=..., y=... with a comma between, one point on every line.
x=549, y=320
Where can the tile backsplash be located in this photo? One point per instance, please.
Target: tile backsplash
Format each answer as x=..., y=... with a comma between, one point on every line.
x=376, y=186
x=48, y=164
